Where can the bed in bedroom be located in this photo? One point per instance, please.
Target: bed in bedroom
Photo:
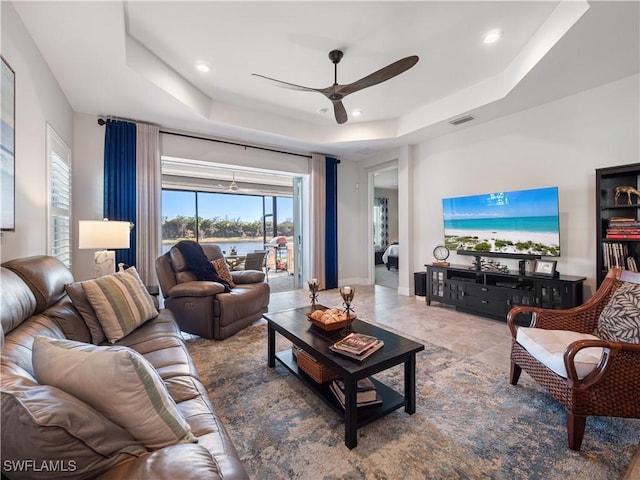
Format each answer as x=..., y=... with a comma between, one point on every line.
x=390, y=256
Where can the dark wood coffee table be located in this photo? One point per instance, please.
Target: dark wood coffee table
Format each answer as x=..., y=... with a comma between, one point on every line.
x=295, y=326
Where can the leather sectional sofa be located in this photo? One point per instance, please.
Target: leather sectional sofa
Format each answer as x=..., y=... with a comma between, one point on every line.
x=47, y=433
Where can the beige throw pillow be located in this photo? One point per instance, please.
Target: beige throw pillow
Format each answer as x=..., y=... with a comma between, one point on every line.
x=121, y=302
x=118, y=382
x=222, y=269
x=80, y=301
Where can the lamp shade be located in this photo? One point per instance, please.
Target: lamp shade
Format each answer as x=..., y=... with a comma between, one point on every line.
x=103, y=234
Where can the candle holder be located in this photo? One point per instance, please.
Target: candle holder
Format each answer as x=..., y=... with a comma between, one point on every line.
x=313, y=288
x=347, y=294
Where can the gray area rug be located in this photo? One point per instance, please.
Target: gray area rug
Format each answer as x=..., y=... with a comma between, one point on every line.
x=470, y=423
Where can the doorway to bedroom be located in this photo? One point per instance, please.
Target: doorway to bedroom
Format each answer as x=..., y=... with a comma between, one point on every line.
x=385, y=227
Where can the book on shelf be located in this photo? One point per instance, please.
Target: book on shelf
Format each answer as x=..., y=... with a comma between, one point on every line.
x=623, y=236
x=371, y=349
x=356, y=343
x=365, y=398
x=622, y=220
x=364, y=384
x=616, y=255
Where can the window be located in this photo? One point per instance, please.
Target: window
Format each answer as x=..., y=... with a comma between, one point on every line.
x=229, y=220
x=59, y=194
x=284, y=207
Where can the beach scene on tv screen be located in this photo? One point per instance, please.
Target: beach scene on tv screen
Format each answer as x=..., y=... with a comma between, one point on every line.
x=517, y=222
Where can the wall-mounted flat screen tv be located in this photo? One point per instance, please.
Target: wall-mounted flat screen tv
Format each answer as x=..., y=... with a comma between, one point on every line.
x=521, y=223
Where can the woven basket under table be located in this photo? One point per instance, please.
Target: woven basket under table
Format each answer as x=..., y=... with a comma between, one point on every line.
x=319, y=372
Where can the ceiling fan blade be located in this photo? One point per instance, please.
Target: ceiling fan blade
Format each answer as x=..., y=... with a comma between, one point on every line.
x=282, y=84
x=339, y=111
x=385, y=73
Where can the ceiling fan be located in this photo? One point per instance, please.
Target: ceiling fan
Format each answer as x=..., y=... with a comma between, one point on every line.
x=337, y=92
x=233, y=186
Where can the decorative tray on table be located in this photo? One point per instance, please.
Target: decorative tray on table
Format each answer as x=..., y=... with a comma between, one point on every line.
x=330, y=318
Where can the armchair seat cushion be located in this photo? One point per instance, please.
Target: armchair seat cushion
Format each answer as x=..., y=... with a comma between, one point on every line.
x=548, y=346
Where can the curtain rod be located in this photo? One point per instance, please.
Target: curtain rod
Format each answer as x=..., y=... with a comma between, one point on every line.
x=102, y=120
x=227, y=142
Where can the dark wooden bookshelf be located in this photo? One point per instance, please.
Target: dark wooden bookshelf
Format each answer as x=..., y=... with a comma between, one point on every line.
x=607, y=179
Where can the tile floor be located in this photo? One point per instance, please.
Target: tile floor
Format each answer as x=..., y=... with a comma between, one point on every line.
x=486, y=340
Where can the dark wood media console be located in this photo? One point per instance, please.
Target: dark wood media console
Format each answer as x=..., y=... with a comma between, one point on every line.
x=493, y=294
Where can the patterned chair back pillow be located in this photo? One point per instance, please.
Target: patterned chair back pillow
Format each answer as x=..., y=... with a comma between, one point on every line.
x=620, y=318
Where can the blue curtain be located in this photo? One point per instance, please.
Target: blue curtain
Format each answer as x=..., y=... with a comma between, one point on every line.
x=331, y=226
x=120, y=180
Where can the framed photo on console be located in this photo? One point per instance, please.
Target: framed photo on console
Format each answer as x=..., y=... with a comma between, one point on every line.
x=545, y=267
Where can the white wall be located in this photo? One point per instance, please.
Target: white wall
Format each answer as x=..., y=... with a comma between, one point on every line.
x=350, y=236
x=88, y=183
x=39, y=100
x=557, y=144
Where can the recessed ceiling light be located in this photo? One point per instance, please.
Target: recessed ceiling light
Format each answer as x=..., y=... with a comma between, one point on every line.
x=323, y=110
x=356, y=113
x=492, y=36
x=203, y=67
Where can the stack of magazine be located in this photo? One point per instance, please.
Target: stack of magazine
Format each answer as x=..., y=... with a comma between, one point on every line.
x=357, y=346
x=366, y=396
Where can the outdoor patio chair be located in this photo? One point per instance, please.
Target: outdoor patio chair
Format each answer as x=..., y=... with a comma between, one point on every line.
x=588, y=357
x=256, y=261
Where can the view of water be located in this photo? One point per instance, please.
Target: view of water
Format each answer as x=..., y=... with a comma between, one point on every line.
x=523, y=224
x=241, y=246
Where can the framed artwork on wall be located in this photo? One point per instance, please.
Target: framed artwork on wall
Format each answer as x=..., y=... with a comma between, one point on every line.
x=7, y=147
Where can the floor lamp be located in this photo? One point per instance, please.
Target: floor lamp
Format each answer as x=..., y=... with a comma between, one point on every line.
x=103, y=234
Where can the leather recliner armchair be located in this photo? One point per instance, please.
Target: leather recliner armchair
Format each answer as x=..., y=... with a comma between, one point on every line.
x=202, y=307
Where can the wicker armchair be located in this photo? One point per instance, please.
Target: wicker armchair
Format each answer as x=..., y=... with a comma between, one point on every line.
x=611, y=389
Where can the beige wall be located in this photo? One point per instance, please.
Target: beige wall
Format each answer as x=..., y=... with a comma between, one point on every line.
x=39, y=101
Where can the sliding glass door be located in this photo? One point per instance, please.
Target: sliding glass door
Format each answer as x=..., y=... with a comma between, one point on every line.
x=244, y=223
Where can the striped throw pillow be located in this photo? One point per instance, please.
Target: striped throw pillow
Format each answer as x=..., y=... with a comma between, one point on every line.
x=121, y=302
x=116, y=381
